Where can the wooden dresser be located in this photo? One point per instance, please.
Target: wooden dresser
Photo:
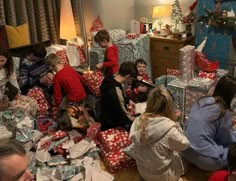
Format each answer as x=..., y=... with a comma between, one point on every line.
x=165, y=53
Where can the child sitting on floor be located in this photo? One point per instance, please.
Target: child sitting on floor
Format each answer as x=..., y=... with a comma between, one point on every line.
x=136, y=90
x=157, y=139
x=66, y=82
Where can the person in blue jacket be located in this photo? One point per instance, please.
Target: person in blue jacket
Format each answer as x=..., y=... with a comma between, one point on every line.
x=209, y=128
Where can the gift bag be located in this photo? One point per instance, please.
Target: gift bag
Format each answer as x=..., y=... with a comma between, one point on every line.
x=79, y=117
x=93, y=80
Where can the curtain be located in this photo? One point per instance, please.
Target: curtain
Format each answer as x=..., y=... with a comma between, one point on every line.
x=42, y=17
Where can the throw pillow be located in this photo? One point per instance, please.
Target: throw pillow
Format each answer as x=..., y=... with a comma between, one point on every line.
x=18, y=35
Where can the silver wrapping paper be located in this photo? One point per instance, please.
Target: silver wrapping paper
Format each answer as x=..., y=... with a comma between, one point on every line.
x=186, y=63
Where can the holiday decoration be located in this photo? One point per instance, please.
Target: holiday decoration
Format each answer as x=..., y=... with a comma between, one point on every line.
x=219, y=18
x=176, y=15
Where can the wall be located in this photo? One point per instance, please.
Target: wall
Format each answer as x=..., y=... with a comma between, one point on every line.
x=144, y=8
x=119, y=13
x=114, y=13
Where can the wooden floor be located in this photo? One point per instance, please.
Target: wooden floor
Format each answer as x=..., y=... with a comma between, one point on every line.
x=131, y=174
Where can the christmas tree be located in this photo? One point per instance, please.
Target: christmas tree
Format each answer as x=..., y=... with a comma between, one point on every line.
x=176, y=15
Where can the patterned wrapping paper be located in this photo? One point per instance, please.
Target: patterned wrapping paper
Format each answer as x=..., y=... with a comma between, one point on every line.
x=197, y=88
x=38, y=95
x=173, y=72
x=205, y=75
x=177, y=89
x=114, y=139
x=93, y=80
x=186, y=62
x=161, y=80
x=221, y=72
x=116, y=161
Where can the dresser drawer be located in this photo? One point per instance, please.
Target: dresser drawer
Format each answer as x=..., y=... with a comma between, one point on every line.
x=166, y=47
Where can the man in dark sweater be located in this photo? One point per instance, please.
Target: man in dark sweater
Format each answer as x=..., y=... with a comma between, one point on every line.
x=114, y=112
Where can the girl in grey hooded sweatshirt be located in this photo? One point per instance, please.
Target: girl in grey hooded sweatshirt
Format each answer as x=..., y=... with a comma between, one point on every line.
x=157, y=139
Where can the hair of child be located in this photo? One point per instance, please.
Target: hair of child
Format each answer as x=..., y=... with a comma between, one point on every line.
x=101, y=36
x=128, y=68
x=52, y=59
x=159, y=102
x=9, y=66
x=38, y=50
x=140, y=61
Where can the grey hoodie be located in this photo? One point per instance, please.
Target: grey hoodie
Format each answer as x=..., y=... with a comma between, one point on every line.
x=164, y=138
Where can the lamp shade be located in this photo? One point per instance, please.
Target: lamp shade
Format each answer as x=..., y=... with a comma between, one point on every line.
x=67, y=23
x=161, y=11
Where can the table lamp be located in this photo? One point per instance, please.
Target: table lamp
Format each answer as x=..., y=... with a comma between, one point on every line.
x=161, y=12
x=67, y=23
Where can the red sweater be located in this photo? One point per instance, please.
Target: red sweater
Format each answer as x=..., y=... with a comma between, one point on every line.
x=68, y=81
x=111, y=60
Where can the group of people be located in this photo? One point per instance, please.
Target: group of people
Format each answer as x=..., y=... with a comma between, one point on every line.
x=161, y=147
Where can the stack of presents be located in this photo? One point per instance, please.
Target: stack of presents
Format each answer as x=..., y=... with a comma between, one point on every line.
x=189, y=83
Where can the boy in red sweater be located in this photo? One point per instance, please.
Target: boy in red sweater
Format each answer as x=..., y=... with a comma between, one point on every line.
x=66, y=82
x=110, y=64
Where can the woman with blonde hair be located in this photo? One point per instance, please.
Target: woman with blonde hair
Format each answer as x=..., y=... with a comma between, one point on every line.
x=157, y=139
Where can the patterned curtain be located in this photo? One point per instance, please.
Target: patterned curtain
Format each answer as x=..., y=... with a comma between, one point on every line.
x=42, y=17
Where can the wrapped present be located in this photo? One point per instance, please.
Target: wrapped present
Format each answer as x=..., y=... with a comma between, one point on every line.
x=161, y=81
x=63, y=57
x=132, y=35
x=207, y=75
x=173, y=72
x=116, y=161
x=117, y=34
x=195, y=89
x=93, y=80
x=221, y=72
x=38, y=95
x=114, y=139
x=97, y=25
x=177, y=89
x=186, y=62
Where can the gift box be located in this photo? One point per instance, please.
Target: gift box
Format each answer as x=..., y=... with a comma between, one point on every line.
x=221, y=72
x=39, y=96
x=114, y=139
x=93, y=80
x=195, y=89
x=161, y=81
x=116, y=161
x=186, y=62
x=177, y=89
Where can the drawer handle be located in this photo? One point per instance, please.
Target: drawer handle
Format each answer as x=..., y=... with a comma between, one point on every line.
x=166, y=48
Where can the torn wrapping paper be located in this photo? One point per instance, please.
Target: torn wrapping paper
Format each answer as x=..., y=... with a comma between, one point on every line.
x=81, y=148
